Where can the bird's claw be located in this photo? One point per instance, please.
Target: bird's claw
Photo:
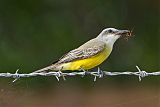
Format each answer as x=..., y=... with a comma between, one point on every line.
x=59, y=74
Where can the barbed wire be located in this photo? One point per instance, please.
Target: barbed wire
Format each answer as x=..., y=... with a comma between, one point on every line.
x=99, y=73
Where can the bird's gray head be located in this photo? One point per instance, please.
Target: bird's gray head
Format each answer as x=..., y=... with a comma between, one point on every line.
x=110, y=35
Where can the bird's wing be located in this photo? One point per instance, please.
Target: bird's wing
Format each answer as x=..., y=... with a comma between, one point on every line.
x=81, y=53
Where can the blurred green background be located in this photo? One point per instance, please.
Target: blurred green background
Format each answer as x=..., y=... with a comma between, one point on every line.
x=35, y=33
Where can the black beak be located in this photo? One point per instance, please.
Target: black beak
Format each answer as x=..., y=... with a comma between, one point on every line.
x=123, y=32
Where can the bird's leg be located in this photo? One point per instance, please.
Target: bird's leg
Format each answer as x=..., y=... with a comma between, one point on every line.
x=59, y=74
x=85, y=72
x=62, y=73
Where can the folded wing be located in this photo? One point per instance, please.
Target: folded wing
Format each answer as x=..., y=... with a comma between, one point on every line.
x=78, y=54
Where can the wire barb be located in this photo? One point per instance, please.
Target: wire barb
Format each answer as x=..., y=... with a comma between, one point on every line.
x=57, y=75
x=16, y=76
x=142, y=74
x=99, y=73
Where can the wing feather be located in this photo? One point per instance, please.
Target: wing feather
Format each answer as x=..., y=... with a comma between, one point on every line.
x=77, y=54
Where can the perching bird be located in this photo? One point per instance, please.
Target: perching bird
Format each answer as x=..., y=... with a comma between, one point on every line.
x=90, y=54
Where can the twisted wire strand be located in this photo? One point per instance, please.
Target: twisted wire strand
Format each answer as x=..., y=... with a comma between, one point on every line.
x=99, y=73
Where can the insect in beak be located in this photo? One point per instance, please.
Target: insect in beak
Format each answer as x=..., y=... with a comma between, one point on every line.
x=125, y=33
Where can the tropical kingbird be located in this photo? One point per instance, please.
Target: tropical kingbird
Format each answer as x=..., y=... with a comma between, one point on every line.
x=90, y=54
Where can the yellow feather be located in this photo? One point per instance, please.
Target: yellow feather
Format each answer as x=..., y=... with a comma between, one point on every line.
x=88, y=63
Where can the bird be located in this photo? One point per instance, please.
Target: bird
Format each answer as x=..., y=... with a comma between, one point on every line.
x=89, y=55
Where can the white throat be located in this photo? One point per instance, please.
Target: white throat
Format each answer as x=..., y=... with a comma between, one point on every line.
x=109, y=39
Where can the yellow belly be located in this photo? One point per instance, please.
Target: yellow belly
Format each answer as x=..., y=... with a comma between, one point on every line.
x=88, y=63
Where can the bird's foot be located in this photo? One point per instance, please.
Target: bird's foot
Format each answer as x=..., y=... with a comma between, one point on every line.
x=59, y=74
x=85, y=72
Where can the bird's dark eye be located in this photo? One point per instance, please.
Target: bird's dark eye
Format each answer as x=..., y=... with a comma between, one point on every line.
x=110, y=31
